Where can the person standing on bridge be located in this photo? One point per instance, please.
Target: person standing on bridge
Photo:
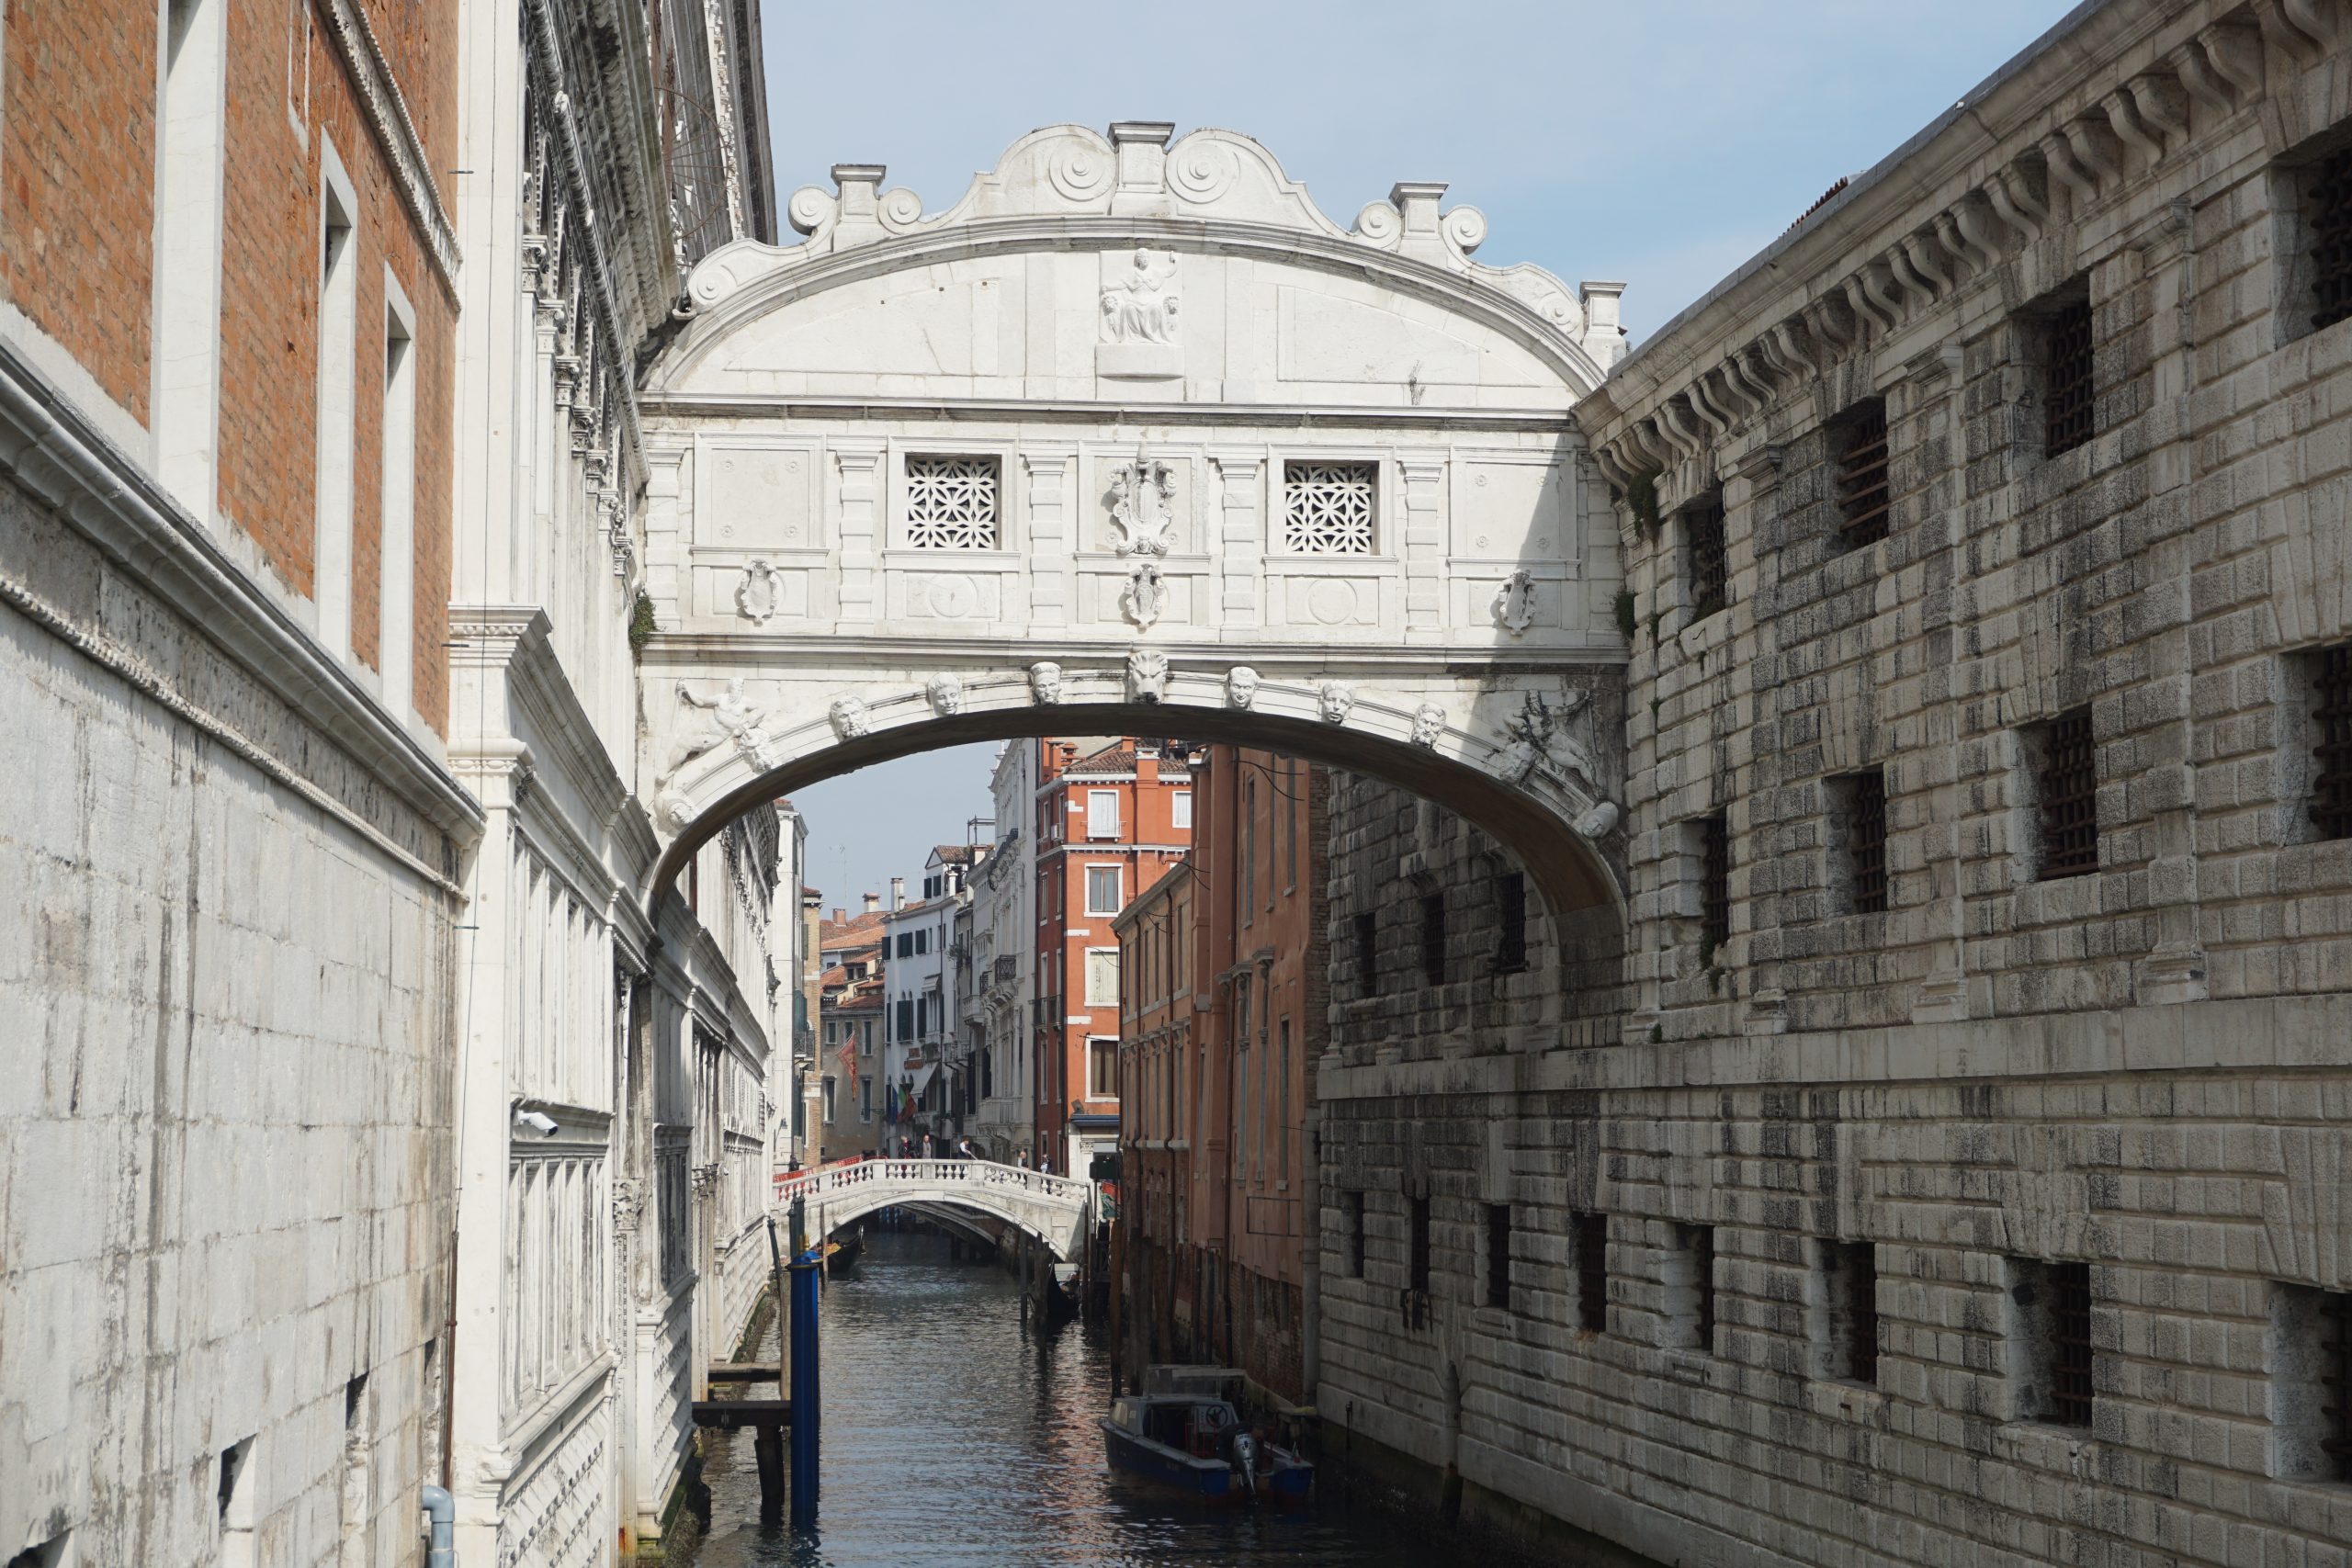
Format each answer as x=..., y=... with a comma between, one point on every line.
x=964, y=1148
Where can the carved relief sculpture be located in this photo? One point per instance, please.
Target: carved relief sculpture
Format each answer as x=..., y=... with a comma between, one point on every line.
x=731, y=719
x=1429, y=724
x=849, y=717
x=1514, y=604
x=1141, y=306
x=947, y=694
x=1532, y=735
x=1336, y=698
x=1147, y=676
x=1241, y=686
x=1144, y=492
x=1596, y=822
x=1145, y=597
x=755, y=595
x=1045, y=683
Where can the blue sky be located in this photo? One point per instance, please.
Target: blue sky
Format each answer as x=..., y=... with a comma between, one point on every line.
x=1660, y=144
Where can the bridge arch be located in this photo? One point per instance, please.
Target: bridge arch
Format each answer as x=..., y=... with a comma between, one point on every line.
x=1134, y=439
x=1055, y=1211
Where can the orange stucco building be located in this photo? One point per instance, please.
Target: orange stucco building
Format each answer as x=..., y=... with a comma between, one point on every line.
x=1110, y=822
x=1222, y=1016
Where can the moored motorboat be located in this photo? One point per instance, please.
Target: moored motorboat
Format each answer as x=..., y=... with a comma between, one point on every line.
x=1201, y=1446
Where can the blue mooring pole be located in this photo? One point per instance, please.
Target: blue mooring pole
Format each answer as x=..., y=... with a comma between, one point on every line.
x=805, y=1273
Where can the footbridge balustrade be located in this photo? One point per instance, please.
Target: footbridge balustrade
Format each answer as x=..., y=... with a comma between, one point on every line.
x=1056, y=1210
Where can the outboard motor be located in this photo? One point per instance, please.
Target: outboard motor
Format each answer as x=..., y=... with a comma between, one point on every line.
x=1243, y=1449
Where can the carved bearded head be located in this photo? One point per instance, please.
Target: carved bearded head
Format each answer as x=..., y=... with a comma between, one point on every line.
x=1046, y=683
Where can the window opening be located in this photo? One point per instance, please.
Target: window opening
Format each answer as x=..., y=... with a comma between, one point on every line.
x=2330, y=804
x=1417, y=1257
x=1866, y=840
x=1592, y=1271
x=1714, y=881
x=1510, y=910
x=2069, y=788
x=951, y=503
x=2070, y=1339
x=1367, y=945
x=2328, y=207
x=1851, y=1286
x=1862, y=495
x=1433, y=938
x=1703, y=531
x=2068, y=411
x=1498, y=1256
x=1351, y=1212
x=1328, y=508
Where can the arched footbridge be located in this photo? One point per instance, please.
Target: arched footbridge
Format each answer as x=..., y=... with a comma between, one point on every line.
x=1056, y=1210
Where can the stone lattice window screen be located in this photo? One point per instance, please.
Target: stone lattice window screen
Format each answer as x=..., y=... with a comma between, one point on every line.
x=951, y=503
x=1328, y=508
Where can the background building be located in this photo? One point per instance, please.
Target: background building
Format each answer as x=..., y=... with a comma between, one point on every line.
x=1221, y=970
x=1109, y=823
x=852, y=972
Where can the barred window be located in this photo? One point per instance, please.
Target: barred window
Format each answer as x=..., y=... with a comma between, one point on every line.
x=1510, y=909
x=1703, y=531
x=2311, y=1373
x=2330, y=802
x=1367, y=945
x=1714, y=880
x=1417, y=1246
x=1328, y=508
x=2068, y=387
x=2327, y=213
x=1591, y=1232
x=1352, y=1216
x=2053, y=1303
x=1863, y=499
x=951, y=503
x=2066, y=782
x=1851, y=1283
x=1862, y=799
x=1697, y=1245
x=1498, y=1256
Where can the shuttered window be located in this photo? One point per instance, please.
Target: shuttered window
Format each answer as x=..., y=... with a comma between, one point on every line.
x=1101, y=813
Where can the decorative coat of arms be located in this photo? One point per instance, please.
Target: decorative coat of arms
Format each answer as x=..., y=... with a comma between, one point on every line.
x=1143, y=493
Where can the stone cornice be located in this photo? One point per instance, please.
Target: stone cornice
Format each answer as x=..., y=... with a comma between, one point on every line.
x=1000, y=410
x=739, y=282
x=59, y=458
x=2054, y=139
x=687, y=650
x=387, y=111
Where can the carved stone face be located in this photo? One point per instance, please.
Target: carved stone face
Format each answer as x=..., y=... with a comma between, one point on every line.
x=1147, y=676
x=1046, y=683
x=1429, y=724
x=947, y=694
x=1241, y=686
x=848, y=716
x=1336, y=698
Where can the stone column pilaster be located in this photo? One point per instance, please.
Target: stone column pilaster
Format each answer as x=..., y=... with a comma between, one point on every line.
x=1423, y=526
x=1241, y=539
x=1932, y=401
x=863, y=493
x=1052, y=549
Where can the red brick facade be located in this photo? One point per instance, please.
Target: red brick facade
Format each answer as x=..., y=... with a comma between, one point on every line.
x=78, y=157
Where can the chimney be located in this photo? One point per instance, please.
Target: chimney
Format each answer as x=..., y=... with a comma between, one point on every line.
x=873, y=902
x=897, y=893
x=840, y=915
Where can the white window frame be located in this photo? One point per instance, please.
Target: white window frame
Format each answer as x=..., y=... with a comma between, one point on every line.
x=396, y=517
x=333, y=576
x=1105, y=1091
x=1086, y=980
x=1094, y=797
x=1118, y=886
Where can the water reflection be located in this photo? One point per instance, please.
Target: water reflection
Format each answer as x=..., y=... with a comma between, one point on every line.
x=953, y=1436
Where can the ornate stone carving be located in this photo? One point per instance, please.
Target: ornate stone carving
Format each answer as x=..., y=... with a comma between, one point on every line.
x=1336, y=698
x=1143, y=508
x=755, y=596
x=1241, y=686
x=1140, y=306
x=1328, y=508
x=1514, y=604
x=1144, y=598
x=629, y=1202
x=1045, y=683
x=951, y=503
x=1534, y=735
x=1146, y=675
x=1599, y=820
x=849, y=717
x=947, y=694
x=673, y=808
x=731, y=718
x=1429, y=724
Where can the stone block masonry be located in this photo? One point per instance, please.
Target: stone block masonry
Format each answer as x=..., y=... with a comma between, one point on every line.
x=1954, y=1169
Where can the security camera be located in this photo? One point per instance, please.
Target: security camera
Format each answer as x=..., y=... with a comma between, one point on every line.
x=537, y=1121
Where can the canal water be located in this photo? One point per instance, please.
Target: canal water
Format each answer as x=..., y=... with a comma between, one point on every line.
x=954, y=1434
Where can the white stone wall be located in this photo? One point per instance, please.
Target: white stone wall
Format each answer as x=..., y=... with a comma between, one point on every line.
x=223, y=1195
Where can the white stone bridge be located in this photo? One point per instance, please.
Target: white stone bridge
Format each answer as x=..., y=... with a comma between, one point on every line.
x=1054, y=1210
x=1135, y=439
